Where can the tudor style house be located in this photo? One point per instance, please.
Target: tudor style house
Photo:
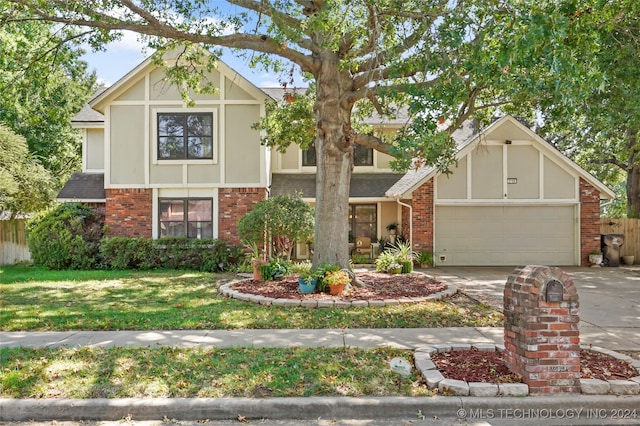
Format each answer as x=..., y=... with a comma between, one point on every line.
x=158, y=168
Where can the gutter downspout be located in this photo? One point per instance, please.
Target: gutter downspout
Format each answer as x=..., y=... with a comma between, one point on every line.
x=410, y=221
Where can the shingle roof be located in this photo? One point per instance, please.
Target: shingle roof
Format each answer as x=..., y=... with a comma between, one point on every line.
x=463, y=136
x=88, y=115
x=84, y=187
x=371, y=185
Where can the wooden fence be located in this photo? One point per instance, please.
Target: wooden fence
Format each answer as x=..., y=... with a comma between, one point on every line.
x=13, y=242
x=627, y=227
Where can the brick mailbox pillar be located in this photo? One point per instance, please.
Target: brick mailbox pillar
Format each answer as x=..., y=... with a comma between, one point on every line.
x=541, y=337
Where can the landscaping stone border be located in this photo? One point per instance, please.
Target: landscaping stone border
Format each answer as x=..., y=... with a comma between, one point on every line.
x=435, y=380
x=227, y=291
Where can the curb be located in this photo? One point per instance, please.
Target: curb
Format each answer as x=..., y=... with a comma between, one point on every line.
x=515, y=408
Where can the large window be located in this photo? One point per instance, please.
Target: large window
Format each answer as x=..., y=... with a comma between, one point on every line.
x=185, y=136
x=363, y=221
x=186, y=217
x=362, y=156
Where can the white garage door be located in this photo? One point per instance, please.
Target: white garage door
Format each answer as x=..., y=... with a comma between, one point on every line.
x=505, y=236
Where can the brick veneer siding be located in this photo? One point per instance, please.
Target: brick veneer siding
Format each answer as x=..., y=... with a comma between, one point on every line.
x=589, y=221
x=422, y=204
x=128, y=212
x=234, y=203
x=541, y=338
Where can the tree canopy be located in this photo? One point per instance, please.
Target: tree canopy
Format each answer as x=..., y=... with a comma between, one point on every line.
x=445, y=61
x=599, y=127
x=43, y=84
x=25, y=186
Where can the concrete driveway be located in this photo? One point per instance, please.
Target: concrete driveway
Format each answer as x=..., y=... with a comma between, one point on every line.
x=609, y=299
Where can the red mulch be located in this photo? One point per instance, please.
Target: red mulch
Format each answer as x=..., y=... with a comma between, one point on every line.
x=380, y=286
x=488, y=367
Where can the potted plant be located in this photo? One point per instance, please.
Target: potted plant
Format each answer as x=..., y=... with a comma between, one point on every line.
x=336, y=281
x=256, y=261
x=307, y=281
x=595, y=258
x=404, y=255
x=393, y=230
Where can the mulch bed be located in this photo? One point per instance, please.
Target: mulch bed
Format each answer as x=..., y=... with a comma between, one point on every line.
x=380, y=286
x=488, y=367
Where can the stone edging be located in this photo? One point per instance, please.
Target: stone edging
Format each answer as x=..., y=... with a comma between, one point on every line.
x=435, y=379
x=227, y=291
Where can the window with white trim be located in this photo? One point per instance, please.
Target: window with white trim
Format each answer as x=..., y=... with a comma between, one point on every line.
x=186, y=217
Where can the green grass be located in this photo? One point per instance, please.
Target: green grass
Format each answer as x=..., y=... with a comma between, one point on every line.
x=37, y=299
x=174, y=373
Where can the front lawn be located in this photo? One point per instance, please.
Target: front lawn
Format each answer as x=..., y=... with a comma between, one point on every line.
x=38, y=299
x=214, y=373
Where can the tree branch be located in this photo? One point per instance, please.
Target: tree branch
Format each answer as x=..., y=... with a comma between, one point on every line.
x=151, y=26
x=264, y=6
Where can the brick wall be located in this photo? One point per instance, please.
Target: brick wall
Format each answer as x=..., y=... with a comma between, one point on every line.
x=128, y=212
x=541, y=337
x=589, y=221
x=234, y=203
x=422, y=204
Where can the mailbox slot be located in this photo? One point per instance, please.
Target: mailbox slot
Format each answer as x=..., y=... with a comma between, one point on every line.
x=554, y=291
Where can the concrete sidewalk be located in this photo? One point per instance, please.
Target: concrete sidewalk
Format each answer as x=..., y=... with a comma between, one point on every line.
x=404, y=338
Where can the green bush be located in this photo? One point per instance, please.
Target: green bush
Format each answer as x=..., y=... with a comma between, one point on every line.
x=275, y=269
x=209, y=255
x=129, y=253
x=66, y=237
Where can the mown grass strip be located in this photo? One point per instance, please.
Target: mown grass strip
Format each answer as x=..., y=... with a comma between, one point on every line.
x=42, y=300
x=185, y=373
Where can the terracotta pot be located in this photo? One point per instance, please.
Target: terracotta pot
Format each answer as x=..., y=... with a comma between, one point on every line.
x=256, y=273
x=336, y=289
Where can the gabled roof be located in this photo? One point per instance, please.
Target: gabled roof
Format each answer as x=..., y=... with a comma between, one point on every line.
x=416, y=177
x=467, y=138
x=130, y=78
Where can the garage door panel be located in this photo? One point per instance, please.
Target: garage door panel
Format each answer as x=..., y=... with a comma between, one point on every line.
x=505, y=235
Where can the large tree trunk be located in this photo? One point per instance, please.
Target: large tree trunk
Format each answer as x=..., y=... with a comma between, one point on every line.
x=334, y=154
x=633, y=191
x=633, y=176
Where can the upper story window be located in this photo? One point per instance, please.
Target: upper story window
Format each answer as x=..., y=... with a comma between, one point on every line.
x=362, y=156
x=185, y=136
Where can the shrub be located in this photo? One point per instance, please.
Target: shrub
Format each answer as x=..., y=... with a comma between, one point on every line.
x=275, y=269
x=209, y=255
x=66, y=237
x=129, y=253
x=385, y=260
